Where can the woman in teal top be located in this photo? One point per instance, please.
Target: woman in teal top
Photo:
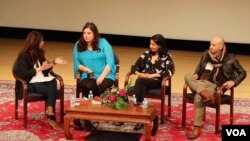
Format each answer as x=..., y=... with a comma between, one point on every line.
x=94, y=57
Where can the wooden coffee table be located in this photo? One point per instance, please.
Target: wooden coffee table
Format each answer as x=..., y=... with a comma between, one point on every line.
x=147, y=116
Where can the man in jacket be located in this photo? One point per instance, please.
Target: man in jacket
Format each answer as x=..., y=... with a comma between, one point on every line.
x=216, y=68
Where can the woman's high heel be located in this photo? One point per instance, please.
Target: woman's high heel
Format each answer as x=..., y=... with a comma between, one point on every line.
x=49, y=113
x=52, y=121
x=53, y=124
x=52, y=117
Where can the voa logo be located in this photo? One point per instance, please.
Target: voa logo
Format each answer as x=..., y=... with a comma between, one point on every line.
x=236, y=132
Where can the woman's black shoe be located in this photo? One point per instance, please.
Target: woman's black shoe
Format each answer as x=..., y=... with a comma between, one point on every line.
x=51, y=117
x=138, y=126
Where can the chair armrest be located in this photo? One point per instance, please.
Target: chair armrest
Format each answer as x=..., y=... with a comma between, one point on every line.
x=58, y=77
x=221, y=90
x=20, y=79
x=117, y=75
x=78, y=77
x=24, y=85
x=163, y=85
x=78, y=74
x=117, y=71
x=128, y=74
x=185, y=87
x=218, y=95
x=164, y=81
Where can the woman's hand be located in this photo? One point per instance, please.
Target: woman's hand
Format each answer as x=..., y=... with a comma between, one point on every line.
x=146, y=75
x=99, y=80
x=60, y=61
x=88, y=70
x=46, y=65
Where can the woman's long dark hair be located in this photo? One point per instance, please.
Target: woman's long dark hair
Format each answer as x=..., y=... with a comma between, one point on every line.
x=31, y=46
x=82, y=46
x=160, y=41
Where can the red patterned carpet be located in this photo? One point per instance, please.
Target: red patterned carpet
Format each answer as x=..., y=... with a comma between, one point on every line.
x=38, y=128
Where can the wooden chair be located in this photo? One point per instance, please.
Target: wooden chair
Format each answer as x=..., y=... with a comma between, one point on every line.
x=157, y=93
x=23, y=93
x=79, y=73
x=220, y=98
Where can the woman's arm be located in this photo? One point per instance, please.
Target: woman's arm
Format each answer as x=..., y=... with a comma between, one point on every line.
x=110, y=66
x=139, y=64
x=168, y=64
x=147, y=75
x=77, y=64
x=104, y=73
x=84, y=68
x=59, y=60
x=25, y=66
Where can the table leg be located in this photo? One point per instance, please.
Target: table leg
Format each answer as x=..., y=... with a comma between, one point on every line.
x=148, y=129
x=66, y=124
x=155, y=125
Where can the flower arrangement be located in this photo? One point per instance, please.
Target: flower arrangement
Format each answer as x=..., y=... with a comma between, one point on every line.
x=115, y=97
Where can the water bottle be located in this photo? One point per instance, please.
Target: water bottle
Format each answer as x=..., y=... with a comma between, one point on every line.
x=90, y=96
x=145, y=103
x=134, y=99
x=72, y=101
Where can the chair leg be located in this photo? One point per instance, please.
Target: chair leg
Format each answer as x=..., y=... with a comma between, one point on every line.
x=204, y=116
x=16, y=108
x=184, y=106
x=169, y=105
x=231, y=114
x=162, y=111
x=25, y=106
x=217, y=122
x=78, y=88
x=45, y=107
x=61, y=110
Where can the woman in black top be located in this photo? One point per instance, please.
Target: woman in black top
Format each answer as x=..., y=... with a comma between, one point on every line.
x=152, y=66
x=32, y=66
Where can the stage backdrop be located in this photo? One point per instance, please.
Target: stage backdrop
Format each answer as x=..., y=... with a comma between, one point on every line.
x=175, y=19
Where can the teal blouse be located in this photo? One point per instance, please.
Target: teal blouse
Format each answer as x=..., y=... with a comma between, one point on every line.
x=95, y=60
